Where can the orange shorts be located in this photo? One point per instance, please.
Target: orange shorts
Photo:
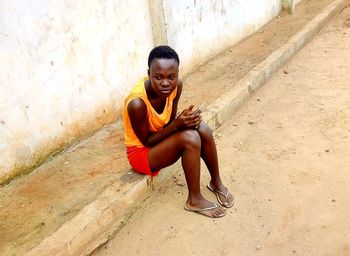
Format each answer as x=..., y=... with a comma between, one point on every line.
x=138, y=159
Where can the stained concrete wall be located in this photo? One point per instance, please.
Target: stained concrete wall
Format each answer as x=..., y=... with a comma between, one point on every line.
x=201, y=29
x=65, y=66
x=289, y=5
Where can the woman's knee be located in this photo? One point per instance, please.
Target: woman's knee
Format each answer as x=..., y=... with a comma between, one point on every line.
x=190, y=138
x=204, y=130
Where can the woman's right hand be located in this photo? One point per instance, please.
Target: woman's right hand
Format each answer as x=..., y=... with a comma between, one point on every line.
x=188, y=119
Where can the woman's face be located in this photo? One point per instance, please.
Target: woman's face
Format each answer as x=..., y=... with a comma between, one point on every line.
x=163, y=74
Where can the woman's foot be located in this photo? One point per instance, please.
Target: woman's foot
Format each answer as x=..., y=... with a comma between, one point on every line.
x=224, y=197
x=205, y=207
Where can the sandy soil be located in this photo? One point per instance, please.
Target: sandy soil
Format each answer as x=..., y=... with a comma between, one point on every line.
x=285, y=155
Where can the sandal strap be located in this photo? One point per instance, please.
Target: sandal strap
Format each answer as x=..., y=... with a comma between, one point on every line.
x=208, y=208
x=219, y=192
x=202, y=209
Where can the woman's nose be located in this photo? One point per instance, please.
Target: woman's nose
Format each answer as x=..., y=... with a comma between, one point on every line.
x=165, y=82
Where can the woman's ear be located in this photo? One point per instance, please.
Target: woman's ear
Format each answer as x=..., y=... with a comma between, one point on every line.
x=148, y=72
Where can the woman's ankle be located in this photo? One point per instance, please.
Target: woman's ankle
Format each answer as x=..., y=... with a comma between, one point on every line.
x=195, y=199
x=217, y=184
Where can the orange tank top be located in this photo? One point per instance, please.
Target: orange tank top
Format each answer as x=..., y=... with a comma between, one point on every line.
x=156, y=121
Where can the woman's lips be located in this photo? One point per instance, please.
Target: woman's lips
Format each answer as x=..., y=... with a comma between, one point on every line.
x=165, y=91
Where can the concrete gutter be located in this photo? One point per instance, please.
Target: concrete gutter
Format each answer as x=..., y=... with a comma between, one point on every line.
x=100, y=220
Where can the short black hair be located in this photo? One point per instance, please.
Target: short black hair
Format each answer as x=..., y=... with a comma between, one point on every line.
x=162, y=52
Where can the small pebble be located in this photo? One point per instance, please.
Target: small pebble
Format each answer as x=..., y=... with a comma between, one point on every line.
x=327, y=150
x=258, y=247
x=333, y=200
x=66, y=162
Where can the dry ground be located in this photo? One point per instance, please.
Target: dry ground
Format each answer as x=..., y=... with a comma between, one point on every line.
x=285, y=156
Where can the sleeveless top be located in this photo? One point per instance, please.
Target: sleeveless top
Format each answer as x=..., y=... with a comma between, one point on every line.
x=156, y=121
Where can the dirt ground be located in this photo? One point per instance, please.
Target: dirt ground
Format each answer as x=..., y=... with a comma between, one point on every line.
x=284, y=155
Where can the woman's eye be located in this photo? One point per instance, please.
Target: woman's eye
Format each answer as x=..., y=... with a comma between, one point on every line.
x=158, y=78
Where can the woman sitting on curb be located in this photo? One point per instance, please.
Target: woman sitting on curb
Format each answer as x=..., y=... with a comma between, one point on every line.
x=156, y=138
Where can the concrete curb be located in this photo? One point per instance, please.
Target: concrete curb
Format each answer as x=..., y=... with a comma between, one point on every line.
x=101, y=219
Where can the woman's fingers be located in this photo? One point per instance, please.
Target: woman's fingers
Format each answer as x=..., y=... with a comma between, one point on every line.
x=193, y=121
x=188, y=119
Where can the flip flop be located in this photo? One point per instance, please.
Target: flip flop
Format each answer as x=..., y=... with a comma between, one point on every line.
x=205, y=211
x=218, y=193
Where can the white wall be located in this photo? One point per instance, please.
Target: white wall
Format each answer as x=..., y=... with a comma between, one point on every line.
x=65, y=66
x=289, y=5
x=201, y=29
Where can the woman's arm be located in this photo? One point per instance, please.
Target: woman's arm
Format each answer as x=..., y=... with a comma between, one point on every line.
x=176, y=100
x=137, y=110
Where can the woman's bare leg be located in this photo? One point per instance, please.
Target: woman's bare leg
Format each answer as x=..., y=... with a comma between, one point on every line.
x=210, y=157
x=185, y=144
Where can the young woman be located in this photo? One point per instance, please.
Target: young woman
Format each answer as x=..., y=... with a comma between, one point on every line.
x=156, y=137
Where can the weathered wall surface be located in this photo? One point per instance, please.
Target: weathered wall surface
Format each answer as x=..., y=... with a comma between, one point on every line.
x=289, y=5
x=201, y=29
x=65, y=66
